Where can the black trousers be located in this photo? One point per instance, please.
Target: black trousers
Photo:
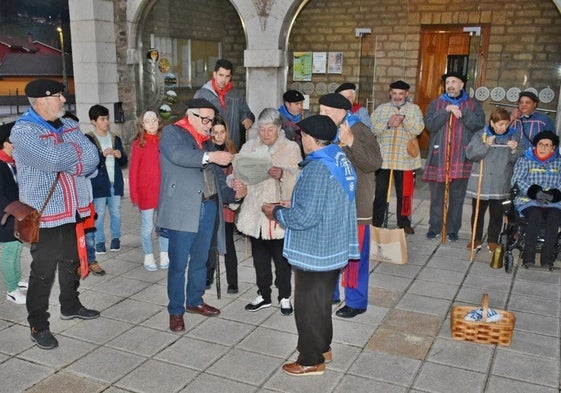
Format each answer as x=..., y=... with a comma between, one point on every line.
x=230, y=259
x=263, y=251
x=495, y=218
x=381, y=194
x=56, y=248
x=538, y=218
x=313, y=293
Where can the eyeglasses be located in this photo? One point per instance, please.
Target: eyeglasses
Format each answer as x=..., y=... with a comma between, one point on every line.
x=151, y=121
x=544, y=145
x=57, y=95
x=204, y=119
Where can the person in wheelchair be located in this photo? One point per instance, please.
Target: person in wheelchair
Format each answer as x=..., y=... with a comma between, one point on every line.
x=537, y=174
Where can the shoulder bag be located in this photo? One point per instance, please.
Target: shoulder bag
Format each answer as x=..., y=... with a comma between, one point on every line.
x=27, y=218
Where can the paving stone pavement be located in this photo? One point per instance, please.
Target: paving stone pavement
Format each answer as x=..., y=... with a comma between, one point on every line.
x=401, y=344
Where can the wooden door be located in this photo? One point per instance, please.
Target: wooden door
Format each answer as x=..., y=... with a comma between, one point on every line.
x=439, y=44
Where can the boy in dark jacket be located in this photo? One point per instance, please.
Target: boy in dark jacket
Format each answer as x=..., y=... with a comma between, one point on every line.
x=108, y=185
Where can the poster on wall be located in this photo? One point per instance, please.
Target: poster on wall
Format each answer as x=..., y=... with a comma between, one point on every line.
x=319, y=65
x=335, y=63
x=302, y=66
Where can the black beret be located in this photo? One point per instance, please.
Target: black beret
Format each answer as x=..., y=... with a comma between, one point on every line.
x=552, y=136
x=197, y=103
x=530, y=95
x=5, y=130
x=293, y=96
x=43, y=88
x=319, y=126
x=461, y=77
x=345, y=86
x=401, y=85
x=335, y=100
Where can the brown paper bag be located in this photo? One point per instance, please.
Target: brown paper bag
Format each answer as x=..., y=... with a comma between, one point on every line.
x=388, y=245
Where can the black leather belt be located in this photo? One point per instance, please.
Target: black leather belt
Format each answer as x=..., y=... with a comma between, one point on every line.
x=209, y=198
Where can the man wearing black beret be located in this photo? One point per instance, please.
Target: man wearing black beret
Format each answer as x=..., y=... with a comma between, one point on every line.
x=348, y=90
x=321, y=237
x=49, y=149
x=192, y=188
x=451, y=120
x=527, y=121
x=395, y=124
x=292, y=111
x=361, y=147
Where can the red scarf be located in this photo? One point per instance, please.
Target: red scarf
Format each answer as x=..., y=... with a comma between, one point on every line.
x=350, y=273
x=6, y=157
x=355, y=107
x=222, y=93
x=199, y=138
x=407, y=193
x=542, y=159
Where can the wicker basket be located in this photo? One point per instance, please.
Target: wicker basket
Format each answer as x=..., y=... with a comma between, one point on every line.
x=482, y=331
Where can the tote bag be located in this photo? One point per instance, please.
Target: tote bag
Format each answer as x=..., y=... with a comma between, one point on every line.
x=388, y=245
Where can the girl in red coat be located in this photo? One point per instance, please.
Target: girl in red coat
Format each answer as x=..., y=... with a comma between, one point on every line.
x=144, y=183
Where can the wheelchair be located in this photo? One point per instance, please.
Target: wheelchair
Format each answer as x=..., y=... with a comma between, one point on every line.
x=513, y=236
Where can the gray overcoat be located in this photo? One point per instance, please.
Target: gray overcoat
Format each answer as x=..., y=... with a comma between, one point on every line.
x=181, y=186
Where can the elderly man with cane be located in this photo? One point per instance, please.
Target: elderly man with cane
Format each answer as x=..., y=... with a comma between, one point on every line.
x=451, y=120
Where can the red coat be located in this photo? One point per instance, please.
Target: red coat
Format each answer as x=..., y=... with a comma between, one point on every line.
x=144, y=173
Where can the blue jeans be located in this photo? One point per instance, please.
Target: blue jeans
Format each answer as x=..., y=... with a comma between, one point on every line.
x=114, y=203
x=90, y=246
x=146, y=228
x=192, y=247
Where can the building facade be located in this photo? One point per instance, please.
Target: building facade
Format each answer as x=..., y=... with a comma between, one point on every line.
x=143, y=54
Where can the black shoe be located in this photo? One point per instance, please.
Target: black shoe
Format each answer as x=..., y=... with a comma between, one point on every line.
x=232, y=289
x=208, y=284
x=349, y=312
x=44, y=339
x=528, y=264
x=408, y=230
x=82, y=313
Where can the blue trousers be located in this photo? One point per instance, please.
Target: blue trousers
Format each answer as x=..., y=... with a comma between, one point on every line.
x=189, y=250
x=358, y=297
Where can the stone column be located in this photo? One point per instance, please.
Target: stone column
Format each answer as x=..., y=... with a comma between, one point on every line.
x=267, y=24
x=94, y=57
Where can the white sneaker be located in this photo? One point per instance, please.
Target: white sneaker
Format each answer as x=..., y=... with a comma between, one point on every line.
x=286, y=306
x=257, y=304
x=164, y=260
x=149, y=263
x=17, y=296
x=23, y=284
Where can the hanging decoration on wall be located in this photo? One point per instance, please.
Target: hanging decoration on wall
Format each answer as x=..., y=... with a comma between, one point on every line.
x=302, y=66
x=335, y=63
x=154, y=86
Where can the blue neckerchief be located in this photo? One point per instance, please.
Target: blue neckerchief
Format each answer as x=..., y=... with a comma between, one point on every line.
x=339, y=165
x=293, y=118
x=500, y=139
x=455, y=100
x=529, y=154
x=350, y=118
x=33, y=117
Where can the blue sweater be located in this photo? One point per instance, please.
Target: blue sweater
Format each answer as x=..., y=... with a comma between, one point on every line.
x=321, y=231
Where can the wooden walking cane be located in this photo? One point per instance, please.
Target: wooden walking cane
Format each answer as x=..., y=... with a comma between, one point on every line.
x=446, y=180
x=218, y=291
x=475, y=219
x=389, y=193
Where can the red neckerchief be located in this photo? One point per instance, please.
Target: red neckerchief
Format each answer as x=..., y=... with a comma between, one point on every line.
x=199, y=138
x=6, y=157
x=543, y=158
x=222, y=93
x=355, y=107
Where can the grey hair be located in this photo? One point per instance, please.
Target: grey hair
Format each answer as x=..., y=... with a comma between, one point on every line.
x=270, y=116
x=32, y=101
